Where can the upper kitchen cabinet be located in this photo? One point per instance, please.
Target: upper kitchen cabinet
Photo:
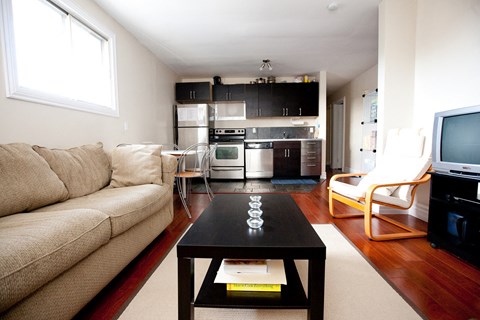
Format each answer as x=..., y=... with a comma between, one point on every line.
x=296, y=99
x=229, y=92
x=265, y=101
x=251, y=100
x=308, y=98
x=285, y=100
x=193, y=92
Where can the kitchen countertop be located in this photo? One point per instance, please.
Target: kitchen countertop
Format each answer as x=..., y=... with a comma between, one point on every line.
x=287, y=139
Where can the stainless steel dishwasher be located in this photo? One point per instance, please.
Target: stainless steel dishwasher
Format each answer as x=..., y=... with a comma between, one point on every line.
x=258, y=159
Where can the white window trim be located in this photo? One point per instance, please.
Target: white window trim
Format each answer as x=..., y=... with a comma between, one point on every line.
x=14, y=91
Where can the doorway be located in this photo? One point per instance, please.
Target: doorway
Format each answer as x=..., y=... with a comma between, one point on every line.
x=337, y=126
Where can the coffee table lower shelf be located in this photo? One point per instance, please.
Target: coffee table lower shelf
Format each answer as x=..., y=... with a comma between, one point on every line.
x=215, y=295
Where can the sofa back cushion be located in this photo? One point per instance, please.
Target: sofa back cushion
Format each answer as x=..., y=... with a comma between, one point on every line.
x=83, y=169
x=136, y=164
x=26, y=180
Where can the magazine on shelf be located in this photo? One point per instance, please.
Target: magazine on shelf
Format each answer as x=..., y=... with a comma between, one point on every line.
x=245, y=266
x=275, y=276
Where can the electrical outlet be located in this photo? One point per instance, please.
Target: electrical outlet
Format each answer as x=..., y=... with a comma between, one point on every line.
x=311, y=130
x=254, y=130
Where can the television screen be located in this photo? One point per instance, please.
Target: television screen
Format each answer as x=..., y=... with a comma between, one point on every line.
x=460, y=142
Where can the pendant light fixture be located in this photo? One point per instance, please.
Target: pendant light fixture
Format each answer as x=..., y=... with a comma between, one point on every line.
x=266, y=64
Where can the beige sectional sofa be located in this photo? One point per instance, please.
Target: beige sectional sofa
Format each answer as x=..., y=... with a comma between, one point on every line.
x=71, y=220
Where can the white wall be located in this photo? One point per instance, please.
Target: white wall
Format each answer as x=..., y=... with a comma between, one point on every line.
x=353, y=91
x=447, y=65
x=447, y=72
x=444, y=71
x=145, y=95
x=396, y=66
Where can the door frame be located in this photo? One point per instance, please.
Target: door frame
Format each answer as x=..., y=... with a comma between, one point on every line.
x=337, y=129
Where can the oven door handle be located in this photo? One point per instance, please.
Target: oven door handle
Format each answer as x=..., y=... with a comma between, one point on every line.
x=227, y=169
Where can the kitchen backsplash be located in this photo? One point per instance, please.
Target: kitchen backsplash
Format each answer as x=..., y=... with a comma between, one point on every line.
x=280, y=133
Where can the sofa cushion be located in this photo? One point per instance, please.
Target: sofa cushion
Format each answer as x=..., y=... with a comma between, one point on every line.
x=26, y=180
x=83, y=169
x=36, y=247
x=125, y=206
x=136, y=164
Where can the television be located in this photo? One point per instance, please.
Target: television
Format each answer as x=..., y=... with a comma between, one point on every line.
x=456, y=142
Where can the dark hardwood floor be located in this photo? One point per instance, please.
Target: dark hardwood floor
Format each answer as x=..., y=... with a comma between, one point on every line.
x=434, y=282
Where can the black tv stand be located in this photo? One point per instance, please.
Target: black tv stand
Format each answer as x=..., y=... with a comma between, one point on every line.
x=454, y=216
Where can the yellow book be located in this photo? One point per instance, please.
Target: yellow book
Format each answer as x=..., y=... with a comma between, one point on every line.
x=254, y=287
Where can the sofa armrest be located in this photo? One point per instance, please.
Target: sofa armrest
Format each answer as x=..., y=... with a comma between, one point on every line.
x=169, y=168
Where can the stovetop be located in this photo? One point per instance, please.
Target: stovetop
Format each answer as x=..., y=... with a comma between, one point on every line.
x=226, y=135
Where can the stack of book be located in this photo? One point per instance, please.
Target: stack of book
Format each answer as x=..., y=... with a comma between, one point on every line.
x=233, y=266
x=252, y=275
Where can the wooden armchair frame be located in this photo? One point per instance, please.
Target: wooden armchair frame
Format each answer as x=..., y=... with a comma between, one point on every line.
x=365, y=205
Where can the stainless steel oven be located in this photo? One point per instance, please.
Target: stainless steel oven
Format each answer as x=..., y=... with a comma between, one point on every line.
x=228, y=161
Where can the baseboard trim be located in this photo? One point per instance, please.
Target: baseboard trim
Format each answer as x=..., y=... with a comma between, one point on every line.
x=420, y=211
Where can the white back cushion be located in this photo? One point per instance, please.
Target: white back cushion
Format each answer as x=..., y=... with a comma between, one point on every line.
x=406, y=158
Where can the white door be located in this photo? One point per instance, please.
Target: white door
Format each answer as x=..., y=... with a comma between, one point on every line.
x=337, y=135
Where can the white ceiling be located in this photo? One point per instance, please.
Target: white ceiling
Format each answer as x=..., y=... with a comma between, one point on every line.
x=204, y=38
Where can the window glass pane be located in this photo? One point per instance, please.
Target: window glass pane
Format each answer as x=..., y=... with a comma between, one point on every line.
x=58, y=57
x=41, y=45
x=89, y=59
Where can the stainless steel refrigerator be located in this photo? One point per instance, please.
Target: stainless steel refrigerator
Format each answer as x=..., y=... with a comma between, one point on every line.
x=190, y=124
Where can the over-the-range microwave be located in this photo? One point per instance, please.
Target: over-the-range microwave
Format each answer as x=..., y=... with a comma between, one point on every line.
x=228, y=111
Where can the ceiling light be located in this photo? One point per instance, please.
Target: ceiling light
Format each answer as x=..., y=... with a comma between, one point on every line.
x=266, y=64
x=332, y=6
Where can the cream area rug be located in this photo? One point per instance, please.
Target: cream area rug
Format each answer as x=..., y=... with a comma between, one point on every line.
x=353, y=290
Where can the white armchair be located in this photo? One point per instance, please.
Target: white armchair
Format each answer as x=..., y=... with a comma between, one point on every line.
x=393, y=183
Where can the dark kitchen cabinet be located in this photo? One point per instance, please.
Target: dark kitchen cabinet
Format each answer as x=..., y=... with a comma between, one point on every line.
x=229, y=92
x=286, y=158
x=311, y=152
x=286, y=100
x=308, y=97
x=251, y=100
x=193, y=92
x=296, y=99
x=265, y=100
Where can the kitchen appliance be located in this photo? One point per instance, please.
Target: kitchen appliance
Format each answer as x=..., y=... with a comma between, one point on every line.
x=229, y=111
x=190, y=124
x=228, y=161
x=259, y=160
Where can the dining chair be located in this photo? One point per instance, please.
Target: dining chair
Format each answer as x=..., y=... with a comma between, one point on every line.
x=392, y=183
x=194, y=163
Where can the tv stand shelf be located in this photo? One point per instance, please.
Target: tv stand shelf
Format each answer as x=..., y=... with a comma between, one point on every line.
x=454, y=216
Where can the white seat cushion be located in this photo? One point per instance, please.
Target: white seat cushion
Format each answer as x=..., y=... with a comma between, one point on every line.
x=356, y=193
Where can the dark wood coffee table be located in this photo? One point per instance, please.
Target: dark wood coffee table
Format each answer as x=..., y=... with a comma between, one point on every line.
x=222, y=232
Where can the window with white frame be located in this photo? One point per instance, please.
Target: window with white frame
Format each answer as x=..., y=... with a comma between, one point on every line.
x=57, y=55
